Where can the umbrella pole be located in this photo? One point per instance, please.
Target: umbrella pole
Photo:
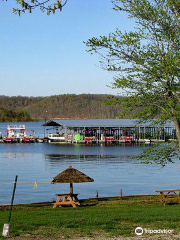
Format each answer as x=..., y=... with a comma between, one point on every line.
x=71, y=188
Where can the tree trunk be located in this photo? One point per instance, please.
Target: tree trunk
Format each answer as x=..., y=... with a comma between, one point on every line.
x=71, y=188
x=177, y=127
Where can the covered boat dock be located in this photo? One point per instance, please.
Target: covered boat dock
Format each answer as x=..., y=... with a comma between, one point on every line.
x=114, y=131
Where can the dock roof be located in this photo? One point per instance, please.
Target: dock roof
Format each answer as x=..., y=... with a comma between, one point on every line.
x=81, y=123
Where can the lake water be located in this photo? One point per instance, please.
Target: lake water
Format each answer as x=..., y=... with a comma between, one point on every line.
x=107, y=165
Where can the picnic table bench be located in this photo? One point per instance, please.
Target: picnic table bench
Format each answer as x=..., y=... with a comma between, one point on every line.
x=169, y=194
x=66, y=199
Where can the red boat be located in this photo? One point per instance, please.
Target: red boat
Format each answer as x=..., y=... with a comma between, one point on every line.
x=9, y=136
x=110, y=138
x=127, y=138
x=17, y=133
x=89, y=139
x=28, y=138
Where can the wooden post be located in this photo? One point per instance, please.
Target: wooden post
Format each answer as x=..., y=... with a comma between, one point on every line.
x=121, y=194
x=97, y=194
x=12, y=200
x=71, y=188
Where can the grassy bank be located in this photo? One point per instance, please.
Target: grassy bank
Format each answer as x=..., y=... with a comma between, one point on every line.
x=107, y=219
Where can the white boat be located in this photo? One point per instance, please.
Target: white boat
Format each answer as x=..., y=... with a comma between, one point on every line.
x=56, y=137
x=18, y=133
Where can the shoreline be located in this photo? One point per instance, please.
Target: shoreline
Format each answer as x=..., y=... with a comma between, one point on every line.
x=47, y=119
x=110, y=198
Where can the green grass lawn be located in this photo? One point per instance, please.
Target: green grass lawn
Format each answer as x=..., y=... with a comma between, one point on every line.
x=106, y=218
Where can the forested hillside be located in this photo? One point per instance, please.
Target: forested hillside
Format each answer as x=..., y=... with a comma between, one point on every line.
x=62, y=106
x=17, y=102
x=10, y=115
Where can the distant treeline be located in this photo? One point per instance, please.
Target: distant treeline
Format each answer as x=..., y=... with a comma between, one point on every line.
x=10, y=115
x=61, y=106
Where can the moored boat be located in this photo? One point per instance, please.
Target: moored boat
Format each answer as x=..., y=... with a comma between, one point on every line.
x=56, y=137
x=40, y=140
x=127, y=139
x=18, y=133
x=28, y=138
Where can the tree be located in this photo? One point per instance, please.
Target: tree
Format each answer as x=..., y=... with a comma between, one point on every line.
x=146, y=60
x=48, y=6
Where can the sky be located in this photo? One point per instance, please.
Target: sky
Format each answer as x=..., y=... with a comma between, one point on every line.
x=44, y=55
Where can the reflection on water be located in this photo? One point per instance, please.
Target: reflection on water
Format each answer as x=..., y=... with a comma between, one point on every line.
x=112, y=164
x=85, y=157
x=96, y=159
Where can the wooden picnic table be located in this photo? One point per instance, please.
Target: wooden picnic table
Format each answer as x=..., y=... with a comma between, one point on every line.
x=169, y=194
x=66, y=199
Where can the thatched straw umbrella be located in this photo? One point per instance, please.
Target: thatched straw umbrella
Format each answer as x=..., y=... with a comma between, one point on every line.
x=71, y=175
